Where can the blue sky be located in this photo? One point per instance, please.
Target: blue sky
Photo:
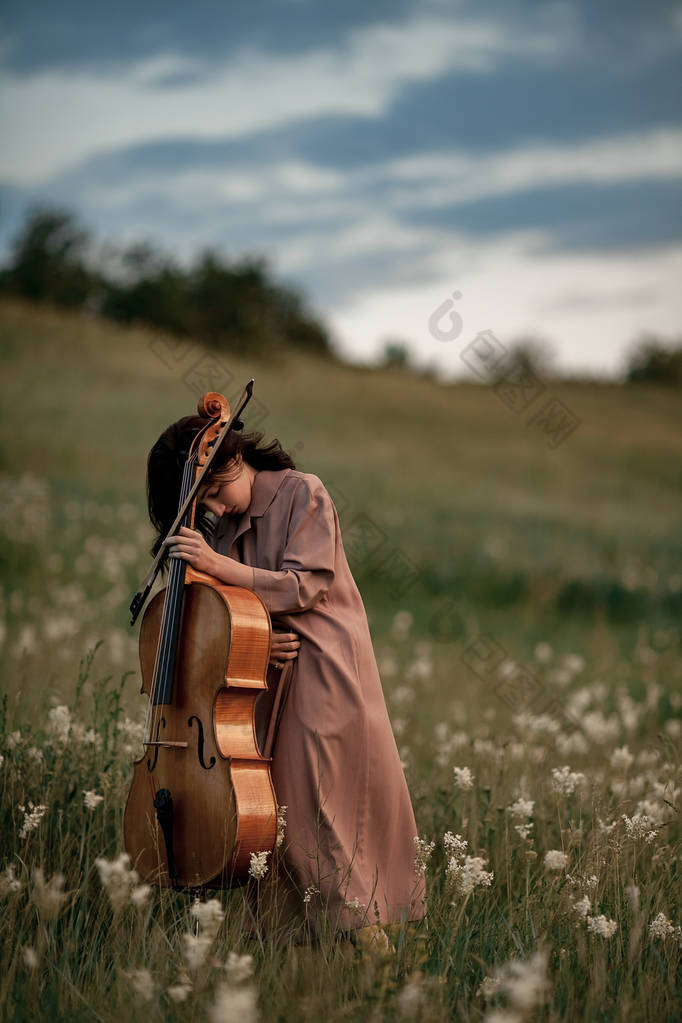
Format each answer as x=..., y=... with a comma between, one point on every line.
x=525, y=155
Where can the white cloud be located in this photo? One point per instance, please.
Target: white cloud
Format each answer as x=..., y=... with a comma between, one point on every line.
x=53, y=120
x=590, y=305
x=517, y=286
x=455, y=177
x=297, y=190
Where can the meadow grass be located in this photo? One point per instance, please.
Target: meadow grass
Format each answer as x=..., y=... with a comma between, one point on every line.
x=524, y=605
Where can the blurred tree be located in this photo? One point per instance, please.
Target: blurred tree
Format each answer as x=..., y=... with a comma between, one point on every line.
x=653, y=362
x=49, y=260
x=151, y=290
x=531, y=356
x=236, y=306
x=396, y=354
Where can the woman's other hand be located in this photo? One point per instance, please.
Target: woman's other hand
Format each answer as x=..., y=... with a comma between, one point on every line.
x=190, y=546
x=284, y=647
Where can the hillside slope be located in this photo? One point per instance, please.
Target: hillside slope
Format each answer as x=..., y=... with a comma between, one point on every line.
x=445, y=495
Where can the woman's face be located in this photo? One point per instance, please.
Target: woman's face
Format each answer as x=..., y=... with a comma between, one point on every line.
x=228, y=491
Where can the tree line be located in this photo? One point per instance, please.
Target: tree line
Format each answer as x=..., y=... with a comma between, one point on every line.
x=235, y=306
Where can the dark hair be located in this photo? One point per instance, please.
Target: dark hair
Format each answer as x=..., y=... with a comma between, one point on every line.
x=167, y=460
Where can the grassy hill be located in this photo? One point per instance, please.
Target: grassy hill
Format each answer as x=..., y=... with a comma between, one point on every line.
x=499, y=576
x=452, y=507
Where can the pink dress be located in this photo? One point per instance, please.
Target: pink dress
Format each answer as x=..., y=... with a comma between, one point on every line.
x=347, y=859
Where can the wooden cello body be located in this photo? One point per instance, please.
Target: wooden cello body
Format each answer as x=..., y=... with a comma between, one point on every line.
x=201, y=799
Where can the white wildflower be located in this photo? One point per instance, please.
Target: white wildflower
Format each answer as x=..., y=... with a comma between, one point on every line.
x=32, y=818
x=574, y=663
x=521, y=808
x=621, y=759
x=582, y=906
x=403, y=694
x=486, y=748
x=209, y=915
x=488, y=987
x=464, y=779
x=630, y=712
x=356, y=906
x=454, y=845
x=196, y=949
x=399, y=725
x=600, y=729
x=281, y=824
x=469, y=875
x=571, y=744
x=423, y=850
x=179, y=992
x=632, y=892
x=30, y=957
x=565, y=781
x=648, y=757
x=601, y=925
x=555, y=859
x=9, y=882
x=140, y=895
x=655, y=811
x=60, y=723
x=27, y=640
x=141, y=983
x=234, y=1003
x=48, y=896
x=309, y=892
x=239, y=967
x=536, y=724
x=91, y=799
x=523, y=982
x=259, y=867
x=420, y=667
x=639, y=826
x=543, y=652
x=583, y=881
x=120, y=881
x=410, y=999
x=402, y=621
x=673, y=728
x=661, y=928
x=92, y=738
x=133, y=733
x=405, y=754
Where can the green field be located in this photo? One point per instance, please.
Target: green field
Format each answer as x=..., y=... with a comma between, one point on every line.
x=469, y=538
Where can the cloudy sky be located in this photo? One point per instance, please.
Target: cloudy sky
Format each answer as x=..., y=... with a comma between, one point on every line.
x=516, y=165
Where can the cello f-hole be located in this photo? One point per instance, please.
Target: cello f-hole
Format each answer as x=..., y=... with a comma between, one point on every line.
x=200, y=743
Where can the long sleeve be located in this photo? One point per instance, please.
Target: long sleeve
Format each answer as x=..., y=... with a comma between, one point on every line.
x=307, y=568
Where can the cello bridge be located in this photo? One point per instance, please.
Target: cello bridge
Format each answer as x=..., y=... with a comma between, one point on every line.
x=169, y=744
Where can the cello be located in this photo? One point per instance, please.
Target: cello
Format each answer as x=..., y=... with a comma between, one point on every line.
x=201, y=799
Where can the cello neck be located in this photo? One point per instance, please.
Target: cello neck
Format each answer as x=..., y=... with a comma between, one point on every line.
x=162, y=692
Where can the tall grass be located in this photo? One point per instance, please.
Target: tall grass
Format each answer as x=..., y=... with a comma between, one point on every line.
x=534, y=647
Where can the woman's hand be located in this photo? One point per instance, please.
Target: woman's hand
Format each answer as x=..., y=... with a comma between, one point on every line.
x=284, y=647
x=190, y=546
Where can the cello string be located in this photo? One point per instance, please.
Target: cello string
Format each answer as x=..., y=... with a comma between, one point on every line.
x=168, y=643
x=172, y=602
x=162, y=655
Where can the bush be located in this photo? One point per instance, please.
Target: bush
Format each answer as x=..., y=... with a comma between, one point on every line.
x=652, y=362
x=235, y=307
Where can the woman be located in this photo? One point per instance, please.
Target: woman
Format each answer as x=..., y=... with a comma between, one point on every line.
x=347, y=861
